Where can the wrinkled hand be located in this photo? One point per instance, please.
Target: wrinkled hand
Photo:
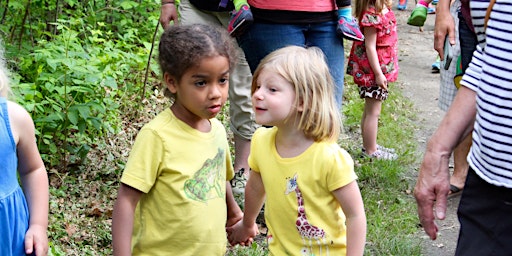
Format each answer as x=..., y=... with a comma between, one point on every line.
x=36, y=240
x=168, y=13
x=445, y=26
x=240, y=234
x=431, y=191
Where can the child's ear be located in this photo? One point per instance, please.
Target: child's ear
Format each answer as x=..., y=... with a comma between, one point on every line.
x=300, y=106
x=170, y=82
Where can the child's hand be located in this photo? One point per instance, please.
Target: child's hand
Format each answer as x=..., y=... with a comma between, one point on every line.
x=36, y=240
x=240, y=234
x=232, y=220
x=381, y=81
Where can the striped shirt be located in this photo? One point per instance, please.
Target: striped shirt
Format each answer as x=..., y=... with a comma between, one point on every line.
x=490, y=76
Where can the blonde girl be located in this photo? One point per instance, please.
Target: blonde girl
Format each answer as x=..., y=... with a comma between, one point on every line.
x=313, y=205
x=23, y=209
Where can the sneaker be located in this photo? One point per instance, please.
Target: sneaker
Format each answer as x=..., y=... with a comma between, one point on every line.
x=402, y=4
x=381, y=148
x=436, y=66
x=381, y=155
x=431, y=9
x=349, y=30
x=238, y=186
x=418, y=16
x=240, y=21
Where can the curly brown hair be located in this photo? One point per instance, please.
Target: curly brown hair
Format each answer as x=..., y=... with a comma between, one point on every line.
x=183, y=46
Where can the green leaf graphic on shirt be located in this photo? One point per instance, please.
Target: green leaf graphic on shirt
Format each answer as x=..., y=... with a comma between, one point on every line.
x=206, y=183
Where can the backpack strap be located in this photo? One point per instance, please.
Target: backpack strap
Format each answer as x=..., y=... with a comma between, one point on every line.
x=488, y=13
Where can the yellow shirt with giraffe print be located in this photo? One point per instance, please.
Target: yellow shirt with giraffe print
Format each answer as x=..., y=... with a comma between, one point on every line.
x=302, y=215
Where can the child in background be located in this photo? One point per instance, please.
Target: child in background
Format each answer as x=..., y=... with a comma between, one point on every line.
x=313, y=204
x=175, y=197
x=419, y=14
x=373, y=63
x=23, y=210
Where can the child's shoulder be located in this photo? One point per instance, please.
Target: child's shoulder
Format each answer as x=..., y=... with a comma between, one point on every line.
x=17, y=113
x=20, y=120
x=372, y=18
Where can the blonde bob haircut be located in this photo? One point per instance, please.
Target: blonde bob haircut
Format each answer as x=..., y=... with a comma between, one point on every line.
x=307, y=71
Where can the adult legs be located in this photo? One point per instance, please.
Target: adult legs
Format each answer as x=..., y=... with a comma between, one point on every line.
x=484, y=215
x=263, y=38
x=468, y=42
x=323, y=35
x=240, y=108
x=460, y=163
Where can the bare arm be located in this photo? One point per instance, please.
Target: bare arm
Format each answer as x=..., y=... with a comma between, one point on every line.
x=168, y=13
x=351, y=202
x=370, y=42
x=235, y=214
x=244, y=231
x=433, y=183
x=33, y=178
x=444, y=26
x=122, y=219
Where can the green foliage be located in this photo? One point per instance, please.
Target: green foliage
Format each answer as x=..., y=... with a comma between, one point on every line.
x=84, y=66
x=255, y=249
x=385, y=185
x=78, y=68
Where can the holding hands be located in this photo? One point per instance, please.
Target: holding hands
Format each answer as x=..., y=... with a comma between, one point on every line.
x=242, y=234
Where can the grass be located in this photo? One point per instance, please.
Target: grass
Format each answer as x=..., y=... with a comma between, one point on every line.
x=82, y=199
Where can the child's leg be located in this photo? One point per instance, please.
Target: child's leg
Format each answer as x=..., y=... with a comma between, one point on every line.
x=369, y=129
x=347, y=25
x=344, y=9
x=402, y=5
x=369, y=124
x=419, y=14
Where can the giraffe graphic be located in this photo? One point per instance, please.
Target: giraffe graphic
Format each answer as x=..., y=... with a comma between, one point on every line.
x=307, y=231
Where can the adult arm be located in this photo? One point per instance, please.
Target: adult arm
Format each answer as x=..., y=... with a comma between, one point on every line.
x=444, y=26
x=433, y=182
x=122, y=219
x=352, y=205
x=370, y=42
x=168, y=13
x=33, y=178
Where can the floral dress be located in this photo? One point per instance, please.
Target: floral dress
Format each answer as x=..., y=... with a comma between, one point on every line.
x=358, y=63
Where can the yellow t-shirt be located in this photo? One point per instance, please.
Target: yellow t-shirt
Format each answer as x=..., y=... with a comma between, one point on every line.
x=182, y=173
x=302, y=214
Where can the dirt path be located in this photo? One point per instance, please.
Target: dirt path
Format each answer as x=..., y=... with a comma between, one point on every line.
x=420, y=85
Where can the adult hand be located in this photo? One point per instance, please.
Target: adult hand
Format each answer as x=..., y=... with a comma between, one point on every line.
x=168, y=13
x=444, y=26
x=431, y=190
